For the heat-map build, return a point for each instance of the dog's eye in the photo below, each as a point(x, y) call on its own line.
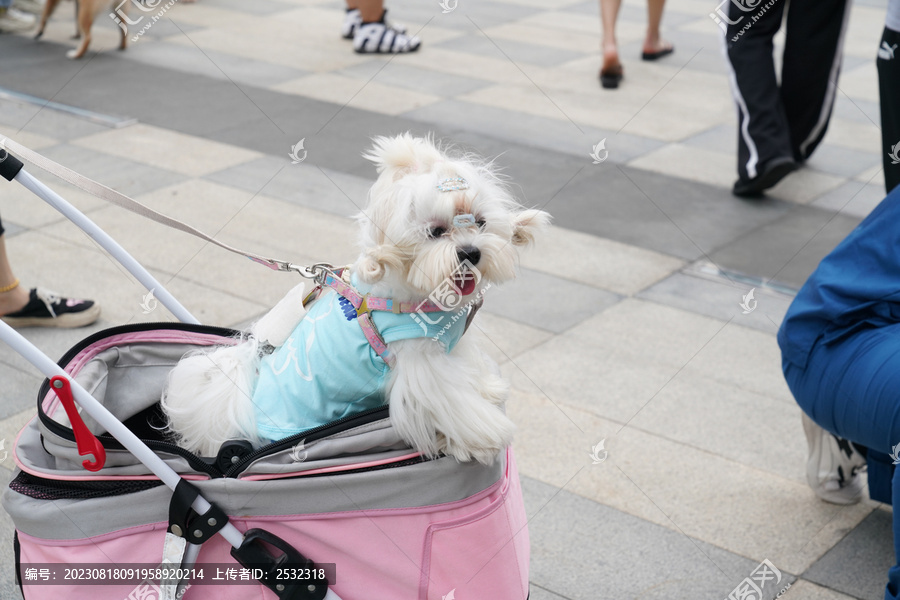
point(481, 223)
point(436, 232)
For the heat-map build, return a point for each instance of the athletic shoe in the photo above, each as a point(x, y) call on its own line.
point(770, 174)
point(14, 20)
point(46, 309)
point(834, 466)
point(382, 38)
point(353, 19)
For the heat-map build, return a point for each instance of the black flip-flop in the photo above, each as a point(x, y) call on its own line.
point(657, 54)
point(610, 78)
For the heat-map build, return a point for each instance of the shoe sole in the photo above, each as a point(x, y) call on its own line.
point(65, 321)
point(769, 179)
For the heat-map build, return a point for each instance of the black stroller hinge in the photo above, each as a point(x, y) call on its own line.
point(184, 520)
point(277, 570)
point(9, 165)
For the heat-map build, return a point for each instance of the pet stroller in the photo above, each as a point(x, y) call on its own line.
point(344, 511)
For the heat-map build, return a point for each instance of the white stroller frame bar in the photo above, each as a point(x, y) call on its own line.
point(10, 168)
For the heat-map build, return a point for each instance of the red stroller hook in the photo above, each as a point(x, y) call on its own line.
point(86, 441)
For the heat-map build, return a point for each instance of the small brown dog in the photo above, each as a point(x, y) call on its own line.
point(85, 13)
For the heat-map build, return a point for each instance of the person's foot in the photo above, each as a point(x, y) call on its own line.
point(611, 72)
point(656, 50)
point(46, 309)
point(13, 20)
point(770, 174)
point(834, 465)
point(382, 38)
point(353, 19)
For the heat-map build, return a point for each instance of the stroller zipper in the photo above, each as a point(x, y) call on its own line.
point(322, 431)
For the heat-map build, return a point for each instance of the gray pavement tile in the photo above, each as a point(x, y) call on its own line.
point(11, 229)
point(841, 162)
point(118, 172)
point(547, 302)
point(217, 65)
point(721, 138)
point(539, 593)
point(480, 43)
point(483, 13)
point(20, 387)
point(302, 184)
point(789, 249)
point(47, 121)
point(721, 299)
point(584, 551)
point(676, 217)
point(163, 28)
point(855, 109)
point(257, 7)
point(530, 130)
point(858, 565)
point(414, 78)
point(696, 51)
point(852, 198)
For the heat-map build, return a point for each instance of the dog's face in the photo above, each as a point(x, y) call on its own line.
point(432, 220)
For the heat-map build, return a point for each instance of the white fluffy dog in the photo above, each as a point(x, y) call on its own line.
point(436, 233)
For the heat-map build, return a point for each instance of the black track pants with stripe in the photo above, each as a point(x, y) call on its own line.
point(790, 119)
point(889, 87)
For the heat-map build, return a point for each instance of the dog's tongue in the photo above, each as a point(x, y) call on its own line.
point(465, 282)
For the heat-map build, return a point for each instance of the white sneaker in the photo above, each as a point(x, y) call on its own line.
point(34, 7)
point(353, 19)
point(381, 38)
point(834, 466)
point(14, 20)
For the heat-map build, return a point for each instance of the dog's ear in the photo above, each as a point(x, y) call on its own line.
point(527, 224)
point(403, 154)
point(373, 265)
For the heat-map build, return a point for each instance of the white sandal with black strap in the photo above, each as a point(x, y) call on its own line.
point(382, 38)
point(353, 19)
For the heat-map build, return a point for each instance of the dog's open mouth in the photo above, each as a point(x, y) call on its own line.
point(465, 281)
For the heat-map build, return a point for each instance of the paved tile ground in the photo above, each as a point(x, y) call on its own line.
point(625, 324)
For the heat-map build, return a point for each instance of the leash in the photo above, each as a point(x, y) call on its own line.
point(121, 200)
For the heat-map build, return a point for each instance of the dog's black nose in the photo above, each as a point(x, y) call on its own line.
point(469, 253)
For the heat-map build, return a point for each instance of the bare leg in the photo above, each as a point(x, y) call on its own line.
point(609, 13)
point(370, 10)
point(15, 299)
point(653, 42)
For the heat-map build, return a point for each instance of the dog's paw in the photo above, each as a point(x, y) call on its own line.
point(73, 54)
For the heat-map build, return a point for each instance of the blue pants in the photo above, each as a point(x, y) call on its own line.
point(851, 387)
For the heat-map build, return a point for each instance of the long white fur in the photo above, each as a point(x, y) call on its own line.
point(439, 402)
point(208, 396)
